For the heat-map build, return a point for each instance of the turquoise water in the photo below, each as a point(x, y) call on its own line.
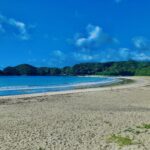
point(18, 85)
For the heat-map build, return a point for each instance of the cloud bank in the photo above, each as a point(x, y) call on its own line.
point(20, 29)
point(141, 43)
point(98, 45)
point(95, 38)
point(95, 45)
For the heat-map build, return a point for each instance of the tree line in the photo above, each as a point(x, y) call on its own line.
point(122, 68)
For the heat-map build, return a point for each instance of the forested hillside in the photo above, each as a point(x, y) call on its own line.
point(124, 68)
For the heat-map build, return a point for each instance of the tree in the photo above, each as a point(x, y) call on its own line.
point(54, 71)
point(123, 68)
point(143, 71)
point(26, 69)
point(67, 71)
point(10, 71)
point(43, 71)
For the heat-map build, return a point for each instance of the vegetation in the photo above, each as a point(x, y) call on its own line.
point(120, 140)
point(1, 72)
point(26, 69)
point(144, 126)
point(10, 71)
point(41, 148)
point(122, 137)
point(133, 130)
point(123, 68)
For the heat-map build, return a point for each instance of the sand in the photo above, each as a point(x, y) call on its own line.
point(82, 119)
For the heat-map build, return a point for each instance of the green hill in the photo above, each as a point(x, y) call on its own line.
point(123, 68)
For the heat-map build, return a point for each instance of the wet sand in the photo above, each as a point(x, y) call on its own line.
point(83, 119)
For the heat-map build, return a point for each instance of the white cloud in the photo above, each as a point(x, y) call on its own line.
point(141, 43)
point(86, 57)
point(81, 41)
point(94, 32)
point(58, 56)
point(97, 45)
point(58, 53)
point(124, 53)
point(142, 48)
point(21, 27)
point(96, 37)
point(15, 24)
point(141, 57)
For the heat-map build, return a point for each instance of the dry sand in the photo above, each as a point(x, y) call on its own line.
point(77, 120)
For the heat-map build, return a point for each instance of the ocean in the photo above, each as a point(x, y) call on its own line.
point(18, 85)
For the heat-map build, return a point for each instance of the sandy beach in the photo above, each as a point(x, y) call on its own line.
point(106, 118)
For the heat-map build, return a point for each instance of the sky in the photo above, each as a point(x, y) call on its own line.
point(57, 33)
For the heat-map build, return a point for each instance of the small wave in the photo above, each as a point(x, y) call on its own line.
point(26, 87)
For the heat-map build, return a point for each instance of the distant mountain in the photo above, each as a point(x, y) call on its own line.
point(123, 68)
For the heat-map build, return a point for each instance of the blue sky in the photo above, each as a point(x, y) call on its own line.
point(65, 32)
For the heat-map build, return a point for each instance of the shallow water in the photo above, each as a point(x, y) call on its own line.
point(18, 85)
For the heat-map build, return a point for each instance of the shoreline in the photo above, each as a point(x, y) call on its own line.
point(133, 82)
point(61, 88)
